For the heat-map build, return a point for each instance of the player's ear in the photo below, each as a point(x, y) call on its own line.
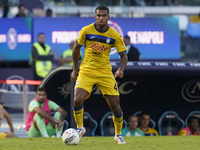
point(108, 16)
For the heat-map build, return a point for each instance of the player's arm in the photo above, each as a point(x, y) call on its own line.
point(80, 40)
point(123, 62)
point(55, 107)
point(65, 60)
point(9, 120)
point(34, 107)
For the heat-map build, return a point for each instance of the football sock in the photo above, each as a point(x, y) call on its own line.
point(58, 132)
point(118, 122)
point(78, 116)
point(41, 125)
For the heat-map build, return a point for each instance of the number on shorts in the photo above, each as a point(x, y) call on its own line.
point(115, 87)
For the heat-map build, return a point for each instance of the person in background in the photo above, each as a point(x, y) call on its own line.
point(49, 13)
point(192, 128)
point(5, 114)
point(41, 58)
point(66, 58)
point(22, 11)
point(39, 122)
point(132, 52)
point(132, 130)
point(144, 119)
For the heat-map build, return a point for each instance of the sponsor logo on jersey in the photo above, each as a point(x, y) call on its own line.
point(97, 47)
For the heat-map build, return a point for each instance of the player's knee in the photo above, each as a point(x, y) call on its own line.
point(116, 110)
point(78, 101)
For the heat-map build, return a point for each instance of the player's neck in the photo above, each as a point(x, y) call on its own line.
point(144, 128)
point(103, 29)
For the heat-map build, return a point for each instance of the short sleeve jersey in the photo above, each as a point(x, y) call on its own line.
point(52, 105)
point(97, 48)
point(149, 132)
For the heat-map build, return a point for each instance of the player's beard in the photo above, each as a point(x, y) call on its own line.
point(101, 25)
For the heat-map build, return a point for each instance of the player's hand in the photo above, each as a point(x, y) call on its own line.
point(74, 75)
point(60, 125)
point(119, 74)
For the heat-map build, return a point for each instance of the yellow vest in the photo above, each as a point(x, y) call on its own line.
point(68, 53)
point(42, 67)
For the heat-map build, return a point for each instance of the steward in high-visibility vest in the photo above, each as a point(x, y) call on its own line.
point(66, 58)
point(41, 58)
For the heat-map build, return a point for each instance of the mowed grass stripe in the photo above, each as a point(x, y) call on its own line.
point(98, 143)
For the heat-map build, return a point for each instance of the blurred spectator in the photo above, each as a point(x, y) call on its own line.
point(175, 3)
point(39, 12)
point(5, 114)
point(49, 13)
point(70, 3)
point(144, 122)
point(66, 58)
point(132, 52)
point(22, 11)
point(4, 7)
point(137, 3)
point(41, 58)
point(192, 128)
point(132, 130)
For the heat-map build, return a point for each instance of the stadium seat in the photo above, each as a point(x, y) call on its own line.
point(107, 125)
point(193, 30)
point(195, 113)
point(89, 124)
point(170, 122)
point(152, 123)
point(66, 124)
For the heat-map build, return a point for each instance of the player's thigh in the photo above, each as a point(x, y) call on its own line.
point(32, 132)
point(108, 85)
point(83, 87)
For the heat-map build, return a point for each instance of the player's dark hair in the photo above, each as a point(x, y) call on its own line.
point(102, 7)
point(41, 89)
point(144, 113)
point(21, 5)
point(190, 119)
point(127, 37)
point(40, 33)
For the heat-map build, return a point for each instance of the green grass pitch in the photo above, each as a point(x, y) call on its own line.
point(108, 143)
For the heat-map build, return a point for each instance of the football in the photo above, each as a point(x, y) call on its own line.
point(71, 137)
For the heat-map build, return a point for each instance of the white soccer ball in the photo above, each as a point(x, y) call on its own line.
point(71, 137)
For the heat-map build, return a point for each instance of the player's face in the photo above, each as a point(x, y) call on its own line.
point(41, 38)
point(194, 124)
point(144, 121)
point(102, 17)
point(22, 10)
point(133, 123)
point(41, 96)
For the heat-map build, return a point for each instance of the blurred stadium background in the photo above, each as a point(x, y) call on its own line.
point(162, 30)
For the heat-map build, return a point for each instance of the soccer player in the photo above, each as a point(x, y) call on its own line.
point(39, 122)
point(144, 119)
point(132, 130)
point(95, 68)
point(192, 128)
point(5, 114)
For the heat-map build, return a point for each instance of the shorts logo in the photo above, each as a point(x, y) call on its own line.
point(108, 40)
